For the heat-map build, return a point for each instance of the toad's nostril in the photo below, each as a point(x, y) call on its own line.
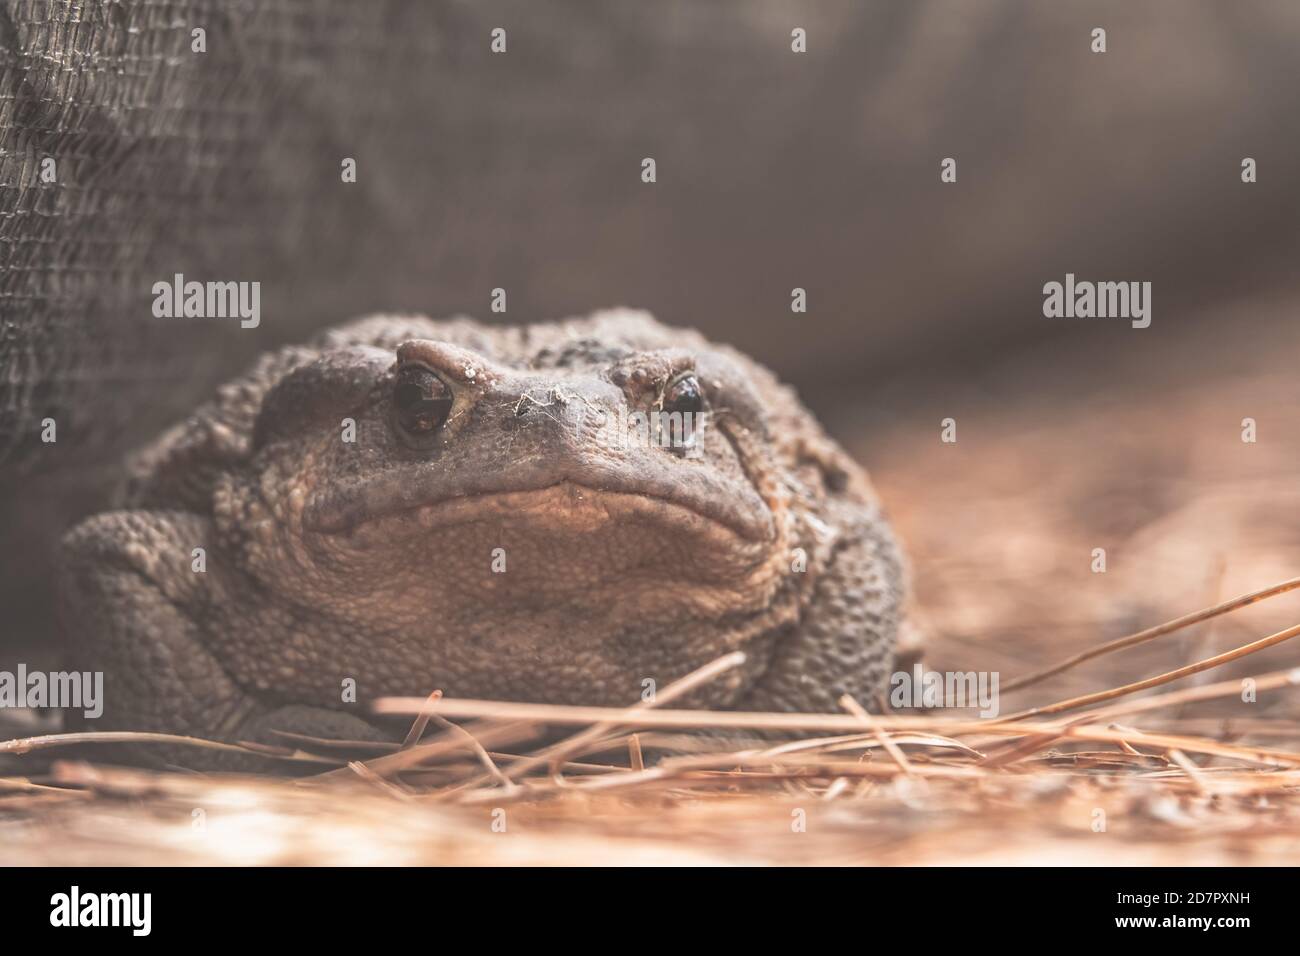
point(538, 399)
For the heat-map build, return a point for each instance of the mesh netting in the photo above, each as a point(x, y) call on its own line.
point(164, 159)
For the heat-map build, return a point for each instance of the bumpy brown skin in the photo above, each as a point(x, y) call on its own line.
point(373, 560)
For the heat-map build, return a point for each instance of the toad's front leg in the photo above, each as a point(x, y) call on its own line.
point(135, 609)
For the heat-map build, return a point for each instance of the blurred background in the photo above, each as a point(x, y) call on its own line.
point(819, 170)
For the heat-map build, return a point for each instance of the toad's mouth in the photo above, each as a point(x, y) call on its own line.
point(548, 502)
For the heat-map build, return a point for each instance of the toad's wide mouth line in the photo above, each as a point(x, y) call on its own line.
point(560, 502)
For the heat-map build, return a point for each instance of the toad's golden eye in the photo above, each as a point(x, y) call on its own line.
point(421, 400)
point(684, 394)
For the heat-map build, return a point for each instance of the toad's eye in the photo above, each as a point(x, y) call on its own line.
point(684, 394)
point(421, 400)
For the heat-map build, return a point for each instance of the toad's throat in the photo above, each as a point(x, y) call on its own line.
point(562, 506)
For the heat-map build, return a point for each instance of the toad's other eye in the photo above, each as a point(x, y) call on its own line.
point(421, 400)
point(684, 394)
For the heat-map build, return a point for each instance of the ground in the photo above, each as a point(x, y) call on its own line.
point(1002, 528)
